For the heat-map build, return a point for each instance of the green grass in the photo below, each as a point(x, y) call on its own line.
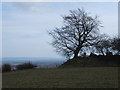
point(82, 77)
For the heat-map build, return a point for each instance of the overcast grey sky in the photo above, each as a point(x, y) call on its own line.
point(0, 29)
point(25, 25)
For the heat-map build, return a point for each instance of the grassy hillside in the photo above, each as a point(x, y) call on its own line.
point(82, 77)
point(93, 61)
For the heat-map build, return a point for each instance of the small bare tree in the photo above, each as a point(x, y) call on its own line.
point(79, 30)
point(104, 45)
point(116, 44)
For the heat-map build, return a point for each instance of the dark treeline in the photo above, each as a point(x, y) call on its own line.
point(8, 67)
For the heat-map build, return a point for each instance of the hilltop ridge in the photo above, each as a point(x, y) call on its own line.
point(93, 61)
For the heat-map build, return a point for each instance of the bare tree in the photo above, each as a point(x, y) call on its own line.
point(79, 30)
point(103, 47)
point(116, 44)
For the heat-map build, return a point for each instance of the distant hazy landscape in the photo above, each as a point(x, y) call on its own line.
point(40, 62)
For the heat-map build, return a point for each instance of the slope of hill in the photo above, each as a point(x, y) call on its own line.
point(93, 61)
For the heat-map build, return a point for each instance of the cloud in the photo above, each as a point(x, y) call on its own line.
point(30, 6)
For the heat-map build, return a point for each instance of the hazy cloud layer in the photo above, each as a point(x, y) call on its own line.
point(25, 25)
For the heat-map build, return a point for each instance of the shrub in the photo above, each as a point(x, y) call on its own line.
point(93, 55)
point(109, 54)
point(6, 67)
point(25, 66)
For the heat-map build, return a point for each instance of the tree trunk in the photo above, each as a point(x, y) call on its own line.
point(102, 52)
point(76, 53)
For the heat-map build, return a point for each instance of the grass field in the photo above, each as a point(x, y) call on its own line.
point(82, 77)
